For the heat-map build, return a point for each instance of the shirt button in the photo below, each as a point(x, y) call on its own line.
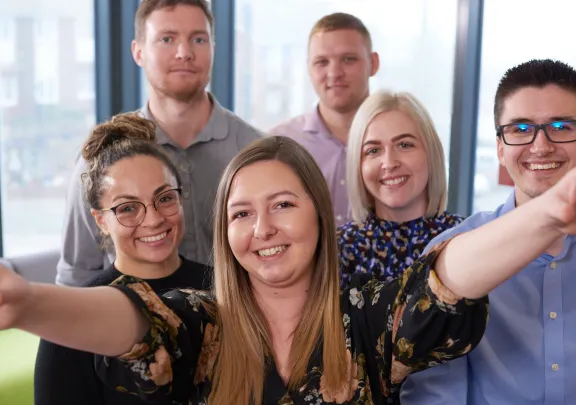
point(342, 182)
point(339, 218)
point(553, 265)
point(553, 315)
point(555, 367)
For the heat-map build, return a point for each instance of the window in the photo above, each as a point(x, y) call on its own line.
point(415, 41)
point(508, 41)
point(8, 91)
point(7, 41)
point(44, 116)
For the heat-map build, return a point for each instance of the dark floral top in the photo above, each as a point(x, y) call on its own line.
point(386, 248)
point(391, 328)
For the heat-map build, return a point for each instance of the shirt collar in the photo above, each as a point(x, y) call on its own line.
point(510, 203)
point(313, 123)
point(216, 128)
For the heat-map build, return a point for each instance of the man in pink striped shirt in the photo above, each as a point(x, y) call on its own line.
point(340, 64)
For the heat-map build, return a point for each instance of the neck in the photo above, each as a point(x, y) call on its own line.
point(282, 307)
point(182, 121)
point(147, 270)
point(404, 214)
point(337, 123)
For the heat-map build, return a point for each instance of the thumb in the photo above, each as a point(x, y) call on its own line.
point(571, 189)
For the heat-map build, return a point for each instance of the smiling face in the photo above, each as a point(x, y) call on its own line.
point(536, 167)
point(176, 51)
point(340, 66)
point(272, 225)
point(143, 179)
point(394, 167)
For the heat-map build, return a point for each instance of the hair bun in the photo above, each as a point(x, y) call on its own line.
point(128, 126)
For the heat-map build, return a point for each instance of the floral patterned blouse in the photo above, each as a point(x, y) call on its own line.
point(391, 328)
point(386, 248)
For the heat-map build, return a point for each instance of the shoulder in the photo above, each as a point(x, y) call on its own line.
point(445, 220)
point(349, 229)
point(291, 128)
point(193, 306)
point(191, 264)
point(472, 222)
point(240, 129)
point(449, 217)
point(197, 275)
point(104, 278)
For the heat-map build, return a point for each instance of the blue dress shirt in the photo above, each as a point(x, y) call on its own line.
point(528, 354)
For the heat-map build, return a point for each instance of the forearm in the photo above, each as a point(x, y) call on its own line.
point(475, 262)
point(99, 320)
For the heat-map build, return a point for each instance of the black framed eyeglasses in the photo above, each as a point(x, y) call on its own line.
point(132, 213)
point(563, 131)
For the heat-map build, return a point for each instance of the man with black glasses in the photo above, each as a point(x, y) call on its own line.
point(528, 354)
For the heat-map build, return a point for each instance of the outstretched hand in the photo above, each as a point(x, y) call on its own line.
point(15, 292)
point(559, 203)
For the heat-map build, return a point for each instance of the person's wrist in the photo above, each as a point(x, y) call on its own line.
point(26, 310)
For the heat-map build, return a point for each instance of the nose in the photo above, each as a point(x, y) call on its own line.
point(184, 51)
point(264, 228)
point(152, 218)
point(335, 70)
point(389, 160)
point(541, 145)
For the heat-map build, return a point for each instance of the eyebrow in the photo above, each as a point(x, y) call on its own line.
point(132, 197)
point(172, 32)
point(324, 56)
point(269, 198)
point(394, 139)
point(522, 120)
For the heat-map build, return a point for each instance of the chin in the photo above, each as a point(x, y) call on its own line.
point(272, 278)
point(396, 203)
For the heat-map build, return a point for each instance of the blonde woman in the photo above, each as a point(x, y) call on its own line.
point(396, 185)
point(277, 330)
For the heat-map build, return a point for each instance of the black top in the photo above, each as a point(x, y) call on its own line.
point(65, 376)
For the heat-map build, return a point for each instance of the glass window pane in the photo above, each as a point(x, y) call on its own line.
point(507, 41)
point(47, 107)
point(415, 39)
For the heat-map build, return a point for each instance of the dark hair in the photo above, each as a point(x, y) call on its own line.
point(342, 21)
point(124, 136)
point(534, 73)
point(147, 7)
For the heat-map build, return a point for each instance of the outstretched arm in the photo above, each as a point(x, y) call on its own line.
point(475, 262)
point(98, 320)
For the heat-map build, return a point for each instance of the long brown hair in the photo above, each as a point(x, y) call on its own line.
point(245, 349)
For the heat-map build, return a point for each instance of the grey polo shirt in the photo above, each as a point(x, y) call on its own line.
point(200, 166)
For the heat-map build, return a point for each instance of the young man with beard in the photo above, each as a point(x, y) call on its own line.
point(174, 44)
point(527, 355)
point(340, 64)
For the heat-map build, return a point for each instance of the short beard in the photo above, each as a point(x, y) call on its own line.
point(183, 96)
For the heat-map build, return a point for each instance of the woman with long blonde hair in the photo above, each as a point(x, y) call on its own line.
point(276, 331)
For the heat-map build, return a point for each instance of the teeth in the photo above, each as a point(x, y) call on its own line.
point(546, 166)
point(272, 251)
point(393, 182)
point(153, 238)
